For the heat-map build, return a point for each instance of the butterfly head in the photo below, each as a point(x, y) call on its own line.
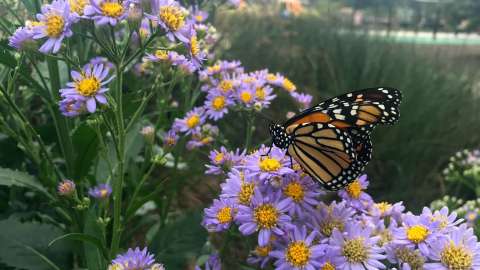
point(280, 137)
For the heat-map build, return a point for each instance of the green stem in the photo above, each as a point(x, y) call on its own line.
point(117, 188)
point(249, 130)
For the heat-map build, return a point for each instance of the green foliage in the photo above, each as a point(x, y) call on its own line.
point(20, 179)
point(327, 61)
point(25, 246)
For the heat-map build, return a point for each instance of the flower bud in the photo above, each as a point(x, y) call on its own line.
point(148, 133)
point(66, 188)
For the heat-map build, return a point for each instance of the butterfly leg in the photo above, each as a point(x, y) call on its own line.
point(269, 150)
point(291, 161)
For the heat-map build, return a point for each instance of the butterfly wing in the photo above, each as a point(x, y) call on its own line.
point(326, 153)
point(360, 110)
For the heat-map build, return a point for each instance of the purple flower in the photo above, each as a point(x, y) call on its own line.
point(304, 194)
point(192, 121)
point(356, 248)
point(267, 166)
point(88, 86)
point(239, 188)
point(71, 107)
point(213, 263)
point(303, 99)
point(260, 255)
point(102, 191)
point(354, 195)
point(406, 258)
point(246, 96)
point(22, 39)
point(446, 221)
point(170, 138)
point(216, 105)
point(223, 160)
point(101, 60)
point(385, 209)
point(266, 215)
point(331, 217)
point(135, 259)
point(199, 16)
point(460, 250)
point(417, 231)
point(106, 11)
point(471, 217)
point(194, 50)
point(171, 17)
point(219, 216)
point(55, 24)
point(263, 95)
point(66, 188)
point(300, 252)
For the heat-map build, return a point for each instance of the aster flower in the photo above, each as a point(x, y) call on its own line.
point(101, 60)
point(136, 259)
point(54, 24)
point(102, 191)
point(356, 249)
point(71, 107)
point(274, 79)
point(88, 86)
point(239, 188)
point(192, 121)
point(204, 136)
point(300, 253)
point(288, 85)
point(213, 263)
point(106, 11)
point(471, 217)
point(303, 99)
point(246, 96)
point(22, 39)
point(264, 95)
point(266, 215)
point(78, 6)
point(417, 232)
point(406, 258)
point(66, 188)
point(354, 194)
point(446, 221)
point(171, 17)
point(216, 105)
point(198, 15)
point(331, 217)
point(222, 160)
point(220, 215)
point(268, 166)
point(261, 255)
point(170, 138)
point(304, 194)
point(460, 250)
point(196, 53)
point(385, 209)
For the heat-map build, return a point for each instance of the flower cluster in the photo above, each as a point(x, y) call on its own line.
point(469, 210)
point(268, 196)
point(228, 87)
point(464, 168)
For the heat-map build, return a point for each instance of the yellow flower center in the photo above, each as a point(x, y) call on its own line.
point(269, 164)
point(327, 226)
point(456, 257)
point(193, 121)
point(111, 9)
point(88, 86)
point(246, 96)
point(328, 266)
point(263, 251)
point(194, 48)
point(173, 17)
point(417, 233)
point(218, 103)
point(288, 85)
point(214, 68)
point(443, 221)
point(354, 189)
point(295, 191)
point(297, 254)
point(77, 6)
point(103, 193)
point(219, 158)
point(385, 237)
point(246, 192)
point(266, 216)
point(116, 266)
point(225, 85)
point(54, 25)
point(471, 216)
point(355, 251)
point(412, 257)
point(161, 54)
point(199, 18)
point(224, 215)
point(383, 207)
point(271, 77)
point(260, 93)
point(249, 80)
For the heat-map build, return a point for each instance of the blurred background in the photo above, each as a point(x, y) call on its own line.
point(429, 49)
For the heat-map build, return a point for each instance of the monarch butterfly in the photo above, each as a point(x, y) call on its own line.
point(331, 141)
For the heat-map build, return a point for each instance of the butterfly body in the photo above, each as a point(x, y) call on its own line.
point(331, 141)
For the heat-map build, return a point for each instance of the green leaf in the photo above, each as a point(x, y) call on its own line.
point(6, 56)
point(180, 241)
point(85, 142)
point(93, 254)
point(25, 246)
point(82, 237)
point(20, 179)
